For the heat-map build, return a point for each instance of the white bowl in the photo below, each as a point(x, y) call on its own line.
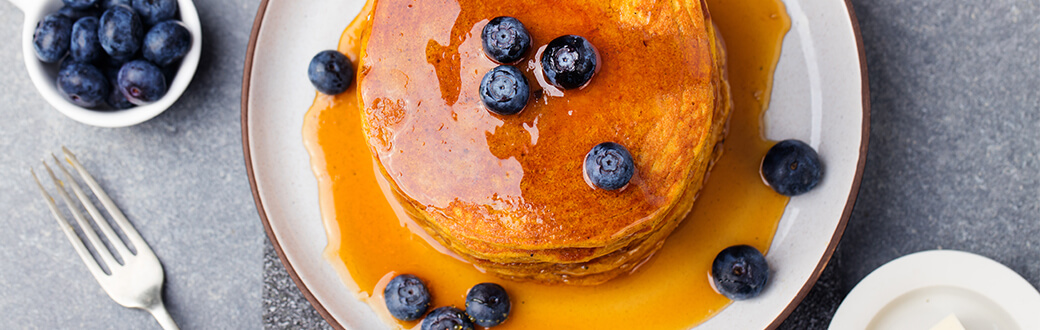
point(44, 75)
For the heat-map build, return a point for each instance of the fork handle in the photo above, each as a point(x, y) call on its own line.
point(161, 315)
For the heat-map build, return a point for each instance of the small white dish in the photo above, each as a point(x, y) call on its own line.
point(44, 75)
point(919, 290)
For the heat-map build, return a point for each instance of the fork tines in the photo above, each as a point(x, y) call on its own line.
point(137, 281)
point(121, 250)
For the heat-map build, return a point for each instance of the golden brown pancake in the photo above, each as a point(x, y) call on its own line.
point(507, 192)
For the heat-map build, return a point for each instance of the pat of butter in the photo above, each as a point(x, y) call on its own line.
point(949, 323)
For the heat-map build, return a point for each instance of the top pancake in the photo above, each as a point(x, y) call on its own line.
point(508, 183)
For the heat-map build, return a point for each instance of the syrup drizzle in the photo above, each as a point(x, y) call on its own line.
point(670, 291)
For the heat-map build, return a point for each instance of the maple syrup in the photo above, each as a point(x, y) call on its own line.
point(371, 239)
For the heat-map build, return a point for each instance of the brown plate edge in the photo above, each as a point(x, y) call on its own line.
point(838, 232)
point(246, 75)
point(854, 192)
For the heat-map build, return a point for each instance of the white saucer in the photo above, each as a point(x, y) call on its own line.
point(918, 290)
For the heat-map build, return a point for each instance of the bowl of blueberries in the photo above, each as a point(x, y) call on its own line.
point(111, 63)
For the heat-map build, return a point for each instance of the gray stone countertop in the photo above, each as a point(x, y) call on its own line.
point(180, 178)
point(954, 163)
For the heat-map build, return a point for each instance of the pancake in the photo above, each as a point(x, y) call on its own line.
point(507, 192)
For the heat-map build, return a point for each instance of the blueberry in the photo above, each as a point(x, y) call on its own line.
point(115, 98)
point(447, 318)
point(85, 45)
point(83, 85)
point(65, 62)
point(120, 32)
point(80, 4)
point(504, 90)
point(110, 3)
point(155, 11)
point(739, 272)
point(792, 167)
point(505, 39)
point(609, 166)
point(569, 61)
point(406, 297)
point(141, 82)
point(51, 38)
point(166, 43)
point(330, 72)
point(487, 304)
point(75, 14)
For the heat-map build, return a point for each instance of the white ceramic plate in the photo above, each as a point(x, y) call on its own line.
point(918, 290)
point(819, 96)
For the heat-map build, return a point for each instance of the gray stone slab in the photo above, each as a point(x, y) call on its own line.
point(284, 304)
point(180, 178)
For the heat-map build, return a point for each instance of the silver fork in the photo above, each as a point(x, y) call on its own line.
point(136, 282)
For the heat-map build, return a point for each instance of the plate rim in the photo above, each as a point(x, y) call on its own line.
point(332, 321)
point(850, 203)
point(247, 73)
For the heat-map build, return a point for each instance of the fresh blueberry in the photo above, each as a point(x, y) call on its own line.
point(505, 39)
point(739, 272)
point(447, 318)
point(120, 32)
point(80, 4)
point(68, 60)
point(166, 43)
point(609, 166)
point(569, 61)
point(83, 85)
point(330, 72)
point(110, 3)
point(487, 304)
point(51, 38)
point(504, 90)
point(141, 82)
point(75, 14)
point(85, 45)
point(792, 167)
point(406, 297)
point(155, 11)
point(115, 98)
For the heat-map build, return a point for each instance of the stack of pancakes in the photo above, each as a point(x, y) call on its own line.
point(507, 192)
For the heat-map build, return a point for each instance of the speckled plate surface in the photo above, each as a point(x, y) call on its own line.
point(820, 96)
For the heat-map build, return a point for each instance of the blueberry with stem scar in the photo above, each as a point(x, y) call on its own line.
point(406, 297)
point(792, 167)
point(609, 166)
point(487, 304)
point(330, 72)
point(505, 39)
point(504, 90)
point(569, 62)
point(83, 84)
point(739, 272)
